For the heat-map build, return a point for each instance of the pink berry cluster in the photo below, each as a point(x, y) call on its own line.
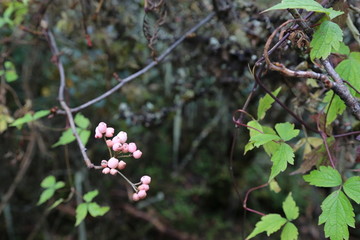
point(142, 188)
point(119, 148)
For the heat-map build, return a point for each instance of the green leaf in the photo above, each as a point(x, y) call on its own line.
point(349, 70)
point(327, 37)
point(343, 49)
point(324, 177)
point(270, 147)
point(337, 107)
point(46, 195)
point(289, 232)
point(265, 104)
point(47, 182)
point(337, 214)
point(286, 131)
point(252, 132)
point(261, 139)
point(10, 72)
point(352, 188)
point(81, 121)
point(280, 158)
point(29, 118)
point(308, 5)
point(269, 223)
point(95, 210)
point(88, 197)
point(84, 136)
point(59, 184)
point(81, 212)
point(290, 209)
point(67, 136)
point(56, 203)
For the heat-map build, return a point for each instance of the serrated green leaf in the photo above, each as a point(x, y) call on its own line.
point(29, 118)
point(280, 158)
point(84, 136)
point(46, 195)
point(324, 177)
point(289, 232)
point(327, 37)
point(286, 131)
point(349, 70)
point(270, 147)
point(265, 104)
point(352, 188)
point(81, 121)
point(81, 212)
point(337, 107)
point(252, 132)
point(274, 186)
point(248, 147)
point(343, 49)
point(59, 184)
point(56, 203)
point(47, 182)
point(66, 137)
point(269, 223)
point(290, 209)
point(88, 197)
point(308, 5)
point(261, 139)
point(40, 114)
point(95, 210)
point(337, 214)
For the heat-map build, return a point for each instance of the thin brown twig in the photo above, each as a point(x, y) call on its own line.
point(247, 196)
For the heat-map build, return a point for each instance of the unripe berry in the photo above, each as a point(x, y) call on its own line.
point(106, 170)
point(144, 187)
point(116, 139)
point(113, 171)
point(123, 136)
point(121, 165)
point(137, 154)
point(142, 194)
point(116, 147)
point(109, 132)
point(98, 134)
point(104, 163)
point(145, 179)
point(102, 127)
point(135, 197)
point(132, 147)
point(113, 162)
point(125, 148)
point(109, 143)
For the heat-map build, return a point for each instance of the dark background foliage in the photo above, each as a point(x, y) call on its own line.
point(179, 114)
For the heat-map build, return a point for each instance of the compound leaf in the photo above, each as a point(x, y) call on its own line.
point(337, 214)
point(269, 223)
point(352, 188)
point(324, 177)
point(327, 37)
point(289, 232)
point(261, 139)
point(290, 209)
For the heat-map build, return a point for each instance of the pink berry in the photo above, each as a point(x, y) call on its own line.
point(135, 197)
point(145, 179)
point(106, 170)
point(116, 139)
point(102, 127)
point(144, 187)
point(104, 163)
point(132, 147)
point(142, 194)
point(98, 134)
point(116, 147)
point(109, 143)
point(113, 162)
point(123, 136)
point(113, 171)
point(121, 165)
point(109, 132)
point(137, 154)
point(125, 148)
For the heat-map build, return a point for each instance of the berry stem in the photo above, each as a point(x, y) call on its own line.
point(126, 179)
